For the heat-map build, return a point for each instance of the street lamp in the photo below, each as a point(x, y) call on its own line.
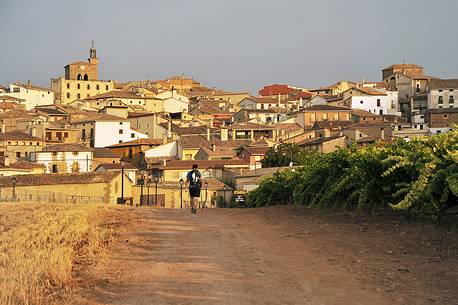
point(156, 181)
point(147, 186)
point(142, 182)
point(181, 193)
point(206, 193)
point(123, 164)
point(14, 188)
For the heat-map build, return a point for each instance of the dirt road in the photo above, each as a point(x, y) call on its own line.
point(224, 256)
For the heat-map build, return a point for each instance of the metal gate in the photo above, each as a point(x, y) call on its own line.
point(151, 200)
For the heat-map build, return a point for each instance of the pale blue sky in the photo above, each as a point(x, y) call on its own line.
point(234, 45)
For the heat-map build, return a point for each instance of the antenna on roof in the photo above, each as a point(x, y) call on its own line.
point(92, 43)
point(404, 60)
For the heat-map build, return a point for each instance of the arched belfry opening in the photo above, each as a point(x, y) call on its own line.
point(79, 77)
point(85, 77)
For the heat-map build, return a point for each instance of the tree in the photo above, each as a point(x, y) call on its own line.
point(283, 155)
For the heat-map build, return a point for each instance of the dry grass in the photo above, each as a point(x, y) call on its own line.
point(40, 245)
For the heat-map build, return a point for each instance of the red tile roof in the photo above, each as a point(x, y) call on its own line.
point(203, 164)
point(275, 89)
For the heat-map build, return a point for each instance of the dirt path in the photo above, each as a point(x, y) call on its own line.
point(223, 256)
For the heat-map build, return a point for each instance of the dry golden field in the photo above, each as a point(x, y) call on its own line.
point(42, 245)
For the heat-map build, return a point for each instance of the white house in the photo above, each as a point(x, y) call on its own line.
point(263, 103)
point(377, 101)
point(174, 105)
point(64, 158)
point(161, 151)
point(32, 95)
point(104, 130)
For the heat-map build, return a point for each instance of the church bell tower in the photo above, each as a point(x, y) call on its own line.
point(93, 54)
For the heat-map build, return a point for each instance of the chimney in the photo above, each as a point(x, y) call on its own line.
point(208, 133)
point(213, 147)
point(169, 128)
point(224, 134)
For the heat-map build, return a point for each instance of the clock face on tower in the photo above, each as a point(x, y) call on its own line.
point(82, 67)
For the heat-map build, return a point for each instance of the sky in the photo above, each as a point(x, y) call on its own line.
point(238, 45)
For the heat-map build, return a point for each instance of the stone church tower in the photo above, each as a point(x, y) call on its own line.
point(85, 71)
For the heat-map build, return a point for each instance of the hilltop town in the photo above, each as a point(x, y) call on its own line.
point(84, 139)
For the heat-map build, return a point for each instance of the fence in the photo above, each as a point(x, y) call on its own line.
point(50, 197)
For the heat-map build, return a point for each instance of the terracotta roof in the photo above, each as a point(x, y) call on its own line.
point(59, 179)
point(198, 141)
point(219, 151)
point(443, 110)
point(275, 89)
point(257, 151)
point(18, 136)
point(443, 84)
point(116, 94)
point(104, 153)
point(10, 98)
point(404, 66)
point(26, 165)
point(326, 108)
point(139, 114)
point(116, 166)
point(80, 63)
point(99, 117)
point(368, 91)
point(318, 140)
point(250, 126)
point(203, 164)
point(8, 105)
point(136, 142)
point(32, 87)
point(16, 113)
point(191, 130)
point(73, 147)
point(288, 126)
point(363, 113)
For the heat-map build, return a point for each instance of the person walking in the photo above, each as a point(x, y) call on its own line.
point(194, 180)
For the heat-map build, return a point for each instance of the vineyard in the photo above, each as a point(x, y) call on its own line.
point(416, 177)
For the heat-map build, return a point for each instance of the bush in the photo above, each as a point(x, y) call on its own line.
point(418, 176)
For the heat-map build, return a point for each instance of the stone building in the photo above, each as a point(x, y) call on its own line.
point(81, 80)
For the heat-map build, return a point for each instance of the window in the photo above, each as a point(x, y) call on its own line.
point(445, 116)
point(421, 127)
point(415, 126)
point(83, 134)
point(120, 123)
point(399, 127)
point(451, 99)
point(88, 87)
point(361, 102)
point(325, 116)
point(130, 153)
point(121, 131)
point(68, 85)
point(78, 96)
point(85, 77)
point(97, 87)
point(78, 86)
point(106, 87)
point(132, 135)
point(75, 153)
point(378, 102)
point(18, 154)
point(441, 99)
point(65, 134)
point(418, 87)
point(381, 112)
point(120, 141)
point(68, 95)
point(438, 131)
point(440, 90)
point(54, 153)
point(336, 116)
point(54, 168)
